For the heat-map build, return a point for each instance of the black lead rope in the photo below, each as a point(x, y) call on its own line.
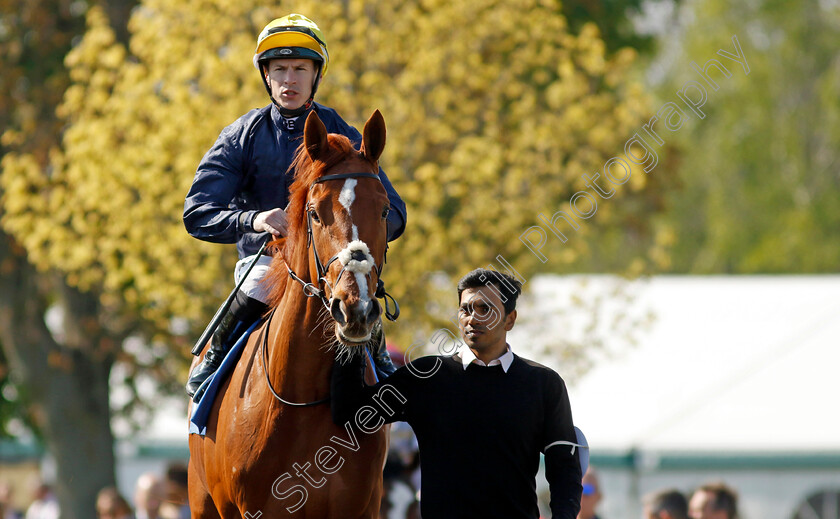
point(391, 316)
point(382, 294)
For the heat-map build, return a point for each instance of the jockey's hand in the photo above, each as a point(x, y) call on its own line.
point(273, 221)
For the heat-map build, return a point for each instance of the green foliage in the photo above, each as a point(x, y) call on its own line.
point(109, 214)
point(759, 185)
point(494, 111)
point(34, 37)
point(613, 19)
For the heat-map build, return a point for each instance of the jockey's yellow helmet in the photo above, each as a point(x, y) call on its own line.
point(292, 37)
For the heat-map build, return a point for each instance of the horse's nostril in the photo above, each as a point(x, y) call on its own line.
point(374, 312)
point(336, 311)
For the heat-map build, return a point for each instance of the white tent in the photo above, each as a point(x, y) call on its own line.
point(729, 363)
point(735, 380)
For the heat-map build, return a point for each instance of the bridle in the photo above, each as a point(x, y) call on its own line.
point(313, 290)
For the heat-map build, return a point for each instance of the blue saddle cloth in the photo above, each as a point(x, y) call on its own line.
point(201, 410)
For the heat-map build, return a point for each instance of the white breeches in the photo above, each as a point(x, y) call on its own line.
point(252, 286)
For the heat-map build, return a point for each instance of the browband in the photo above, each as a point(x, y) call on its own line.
point(339, 176)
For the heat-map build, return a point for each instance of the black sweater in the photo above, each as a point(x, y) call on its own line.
point(480, 433)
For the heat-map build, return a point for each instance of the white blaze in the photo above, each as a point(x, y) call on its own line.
point(360, 269)
point(346, 199)
point(361, 279)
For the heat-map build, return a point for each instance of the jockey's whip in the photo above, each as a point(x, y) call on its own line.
point(214, 323)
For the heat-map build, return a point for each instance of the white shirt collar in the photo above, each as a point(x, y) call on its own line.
point(467, 357)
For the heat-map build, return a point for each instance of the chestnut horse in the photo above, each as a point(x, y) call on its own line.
point(271, 448)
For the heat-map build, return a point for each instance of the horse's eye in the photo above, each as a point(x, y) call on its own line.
point(314, 215)
point(385, 212)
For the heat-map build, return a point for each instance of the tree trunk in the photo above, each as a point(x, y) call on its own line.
point(66, 381)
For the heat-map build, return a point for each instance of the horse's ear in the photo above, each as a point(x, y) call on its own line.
point(314, 136)
point(373, 137)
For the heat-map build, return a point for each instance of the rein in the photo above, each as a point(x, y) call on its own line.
point(268, 380)
point(313, 290)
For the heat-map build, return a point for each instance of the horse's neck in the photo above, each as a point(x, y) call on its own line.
point(299, 362)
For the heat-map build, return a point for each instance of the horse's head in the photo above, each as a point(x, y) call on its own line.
point(344, 212)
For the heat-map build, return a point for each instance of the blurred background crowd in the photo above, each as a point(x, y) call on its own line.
point(156, 495)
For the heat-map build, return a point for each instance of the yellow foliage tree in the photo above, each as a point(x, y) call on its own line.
point(494, 111)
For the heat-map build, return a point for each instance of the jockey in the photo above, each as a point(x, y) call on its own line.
point(242, 184)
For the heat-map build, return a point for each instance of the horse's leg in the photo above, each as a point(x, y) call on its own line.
point(201, 503)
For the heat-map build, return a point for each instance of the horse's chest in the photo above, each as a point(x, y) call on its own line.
point(311, 475)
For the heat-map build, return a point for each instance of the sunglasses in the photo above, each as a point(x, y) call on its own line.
point(589, 489)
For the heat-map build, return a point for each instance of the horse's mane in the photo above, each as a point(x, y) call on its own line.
point(306, 170)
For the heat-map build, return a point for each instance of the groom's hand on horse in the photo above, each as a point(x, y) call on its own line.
point(273, 221)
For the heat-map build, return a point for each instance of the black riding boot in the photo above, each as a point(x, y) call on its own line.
point(381, 358)
point(243, 312)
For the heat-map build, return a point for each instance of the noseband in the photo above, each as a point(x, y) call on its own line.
point(313, 290)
